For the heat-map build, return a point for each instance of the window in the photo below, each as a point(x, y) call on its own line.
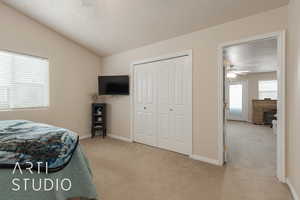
point(23, 81)
point(267, 89)
point(236, 97)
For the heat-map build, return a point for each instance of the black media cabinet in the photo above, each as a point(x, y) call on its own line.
point(98, 119)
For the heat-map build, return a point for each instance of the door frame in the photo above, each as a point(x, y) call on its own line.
point(189, 54)
point(281, 77)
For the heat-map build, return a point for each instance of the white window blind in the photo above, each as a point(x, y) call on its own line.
point(267, 89)
point(23, 81)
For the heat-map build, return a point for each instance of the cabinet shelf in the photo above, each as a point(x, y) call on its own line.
point(98, 125)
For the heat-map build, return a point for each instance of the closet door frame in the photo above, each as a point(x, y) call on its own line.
point(189, 56)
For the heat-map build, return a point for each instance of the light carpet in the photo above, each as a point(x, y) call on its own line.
point(131, 171)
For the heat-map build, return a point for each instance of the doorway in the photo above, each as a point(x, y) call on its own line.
point(241, 113)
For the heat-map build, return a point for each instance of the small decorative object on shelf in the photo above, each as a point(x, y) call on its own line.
point(99, 111)
point(99, 119)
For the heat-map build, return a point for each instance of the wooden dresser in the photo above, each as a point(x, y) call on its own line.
point(259, 107)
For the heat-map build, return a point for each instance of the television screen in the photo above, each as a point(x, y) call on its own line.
point(113, 85)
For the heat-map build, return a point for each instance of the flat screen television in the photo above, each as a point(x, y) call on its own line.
point(113, 85)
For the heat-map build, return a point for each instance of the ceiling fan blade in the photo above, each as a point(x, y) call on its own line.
point(88, 3)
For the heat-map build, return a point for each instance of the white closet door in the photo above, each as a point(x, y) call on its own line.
point(164, 79)
point(174, 99)
point(145, 105)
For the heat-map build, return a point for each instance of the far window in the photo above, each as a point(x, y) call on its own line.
point(23, 81)
point(267, 89)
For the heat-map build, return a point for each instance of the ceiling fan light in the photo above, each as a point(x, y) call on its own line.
point(231, 75)
point(88, 3)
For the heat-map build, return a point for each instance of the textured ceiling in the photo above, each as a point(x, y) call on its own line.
point(257, 56)
point(112, 26)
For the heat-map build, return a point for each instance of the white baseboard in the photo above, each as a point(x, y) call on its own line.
point(119, 137)
point(205, 159)
point(193, 156)
point(293, 191)
point(84, 137)
point(109, 135)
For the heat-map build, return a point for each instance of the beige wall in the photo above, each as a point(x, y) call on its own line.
point(293, 96)
point(204, 44)
point(252, 80)
point(73, 71)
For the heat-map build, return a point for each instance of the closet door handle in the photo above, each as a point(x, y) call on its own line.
point(171, 109)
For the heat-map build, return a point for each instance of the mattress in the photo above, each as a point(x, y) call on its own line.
point(17, 185)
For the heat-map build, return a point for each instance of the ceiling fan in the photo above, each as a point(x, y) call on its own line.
point(88, 3)
point(233, 71)
point(231, 67)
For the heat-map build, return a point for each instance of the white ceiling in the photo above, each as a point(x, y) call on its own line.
point(112, 26)
point(257, 56)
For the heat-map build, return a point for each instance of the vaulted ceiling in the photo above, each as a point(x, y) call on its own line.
point(112, 26)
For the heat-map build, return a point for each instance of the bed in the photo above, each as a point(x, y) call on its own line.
point(73, 180)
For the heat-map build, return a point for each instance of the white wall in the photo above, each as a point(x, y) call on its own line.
point(73, 71)
point(293, 95)
point(204, 44)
